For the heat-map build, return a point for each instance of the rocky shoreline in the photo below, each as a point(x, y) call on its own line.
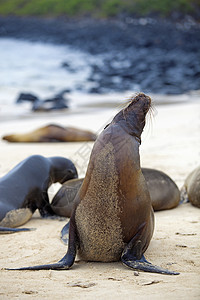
point(151, 55)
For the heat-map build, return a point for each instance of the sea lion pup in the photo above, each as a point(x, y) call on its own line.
point(52, 133)
point(113, 218)
point(191, 188)
point(24, 188)
point(163, 191)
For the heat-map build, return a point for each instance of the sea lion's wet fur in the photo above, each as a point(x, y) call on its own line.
point(24, 188)
point(52, 133)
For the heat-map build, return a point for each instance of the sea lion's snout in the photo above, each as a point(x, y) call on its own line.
point(70, 174)
point(140, 102)
point(73, 173)
point(144, 100)
point(9, 138)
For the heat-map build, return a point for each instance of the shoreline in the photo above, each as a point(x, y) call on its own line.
point(90, 103)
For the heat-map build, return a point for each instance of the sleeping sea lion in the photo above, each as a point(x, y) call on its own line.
point(113, 217)
point(63, 201)
point(164, 192)
point(191, 188)
point(52, 133)
point(24, 188)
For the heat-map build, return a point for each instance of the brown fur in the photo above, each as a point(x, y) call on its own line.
point(52, 133)
point(105, 231)
point(192, 186)
point(164, 192)
point(113, 203)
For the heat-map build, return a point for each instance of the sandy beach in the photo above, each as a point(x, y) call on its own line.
point(171, 143)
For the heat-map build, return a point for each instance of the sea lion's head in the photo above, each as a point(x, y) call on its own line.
point(140, 103)
point(10, 138)
point(132, 117)
point(62, 169)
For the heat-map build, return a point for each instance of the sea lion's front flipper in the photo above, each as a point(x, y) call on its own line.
point(134, 259)
point(4, 230)
point(67, 261)
point(64, 264)
point(15, 218)
point(64, 235)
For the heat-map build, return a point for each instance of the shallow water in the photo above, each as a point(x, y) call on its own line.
point(36, 67)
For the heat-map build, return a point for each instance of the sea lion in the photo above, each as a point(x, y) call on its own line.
point(164, 192)
point(24, 188)
point(63, 202)
point(113, 218)
point(56, 102)
point(52, 133)
point(191, 188)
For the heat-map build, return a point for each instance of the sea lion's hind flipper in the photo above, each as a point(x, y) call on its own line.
point(13, 230)
point(133, 258)
point(143, 265)
point(64, 235)
point(64, 264)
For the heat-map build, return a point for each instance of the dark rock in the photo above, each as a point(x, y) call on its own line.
point(160, 56)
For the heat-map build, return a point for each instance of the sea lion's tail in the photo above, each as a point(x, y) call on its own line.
point(5, 230)
point(143, 265)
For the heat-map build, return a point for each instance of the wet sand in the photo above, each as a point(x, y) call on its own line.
point(171, 143)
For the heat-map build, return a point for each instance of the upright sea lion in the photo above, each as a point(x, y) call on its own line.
point(52, 133)
point(164, 192)
point(113, 217)
point(24, 188)
point(191, 188)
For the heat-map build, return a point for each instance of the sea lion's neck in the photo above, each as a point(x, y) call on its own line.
point(131, 122)
point(54, 171)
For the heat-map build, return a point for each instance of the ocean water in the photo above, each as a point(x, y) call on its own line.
point(34, 67)
point(37, 68)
